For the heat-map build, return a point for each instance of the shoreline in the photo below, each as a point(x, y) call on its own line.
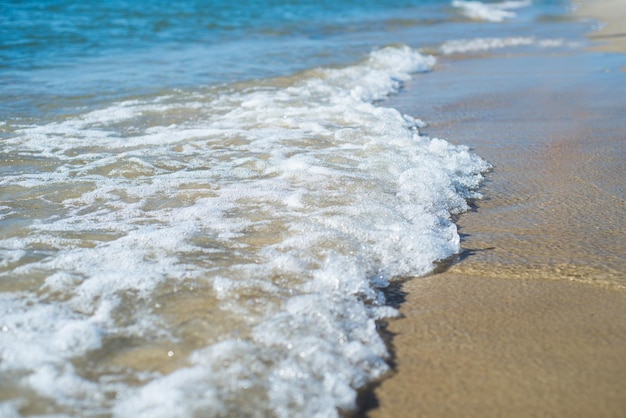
point(532, 321)
point(611, 15)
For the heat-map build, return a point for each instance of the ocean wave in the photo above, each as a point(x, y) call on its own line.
point(491, 12)
point(460, 46)
point(223, 250)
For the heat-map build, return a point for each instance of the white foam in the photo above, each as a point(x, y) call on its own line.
point(42, 339)
point(9, 409)
point(461, 46)
point(483, 44)
point(491, 12)
point(292, 204)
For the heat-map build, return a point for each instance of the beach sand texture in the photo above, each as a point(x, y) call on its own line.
point(532, 321)
point(611, 15)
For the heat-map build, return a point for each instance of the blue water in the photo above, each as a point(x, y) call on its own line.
point(201, 202)
point(51, 50)
point(56, 55)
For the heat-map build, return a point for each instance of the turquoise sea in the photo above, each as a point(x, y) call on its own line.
point(203, 202)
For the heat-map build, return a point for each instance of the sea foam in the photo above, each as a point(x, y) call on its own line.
point(463, 46)
point(491, 12)
point(223, 251)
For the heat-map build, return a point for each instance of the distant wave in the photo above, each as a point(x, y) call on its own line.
point(461, 46)
point(491, 12)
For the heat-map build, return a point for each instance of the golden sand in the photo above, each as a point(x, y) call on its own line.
point(532, 321)
point(611, 17)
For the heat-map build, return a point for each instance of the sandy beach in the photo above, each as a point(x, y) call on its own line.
point(201, 205)
point(611, 15)
point(531, 319)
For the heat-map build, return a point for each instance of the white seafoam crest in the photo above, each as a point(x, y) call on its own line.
point(277, 211)
point(490, 12)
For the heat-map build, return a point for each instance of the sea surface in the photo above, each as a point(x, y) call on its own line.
point(202, 203)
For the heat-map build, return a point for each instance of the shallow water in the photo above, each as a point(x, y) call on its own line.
point(200, 210)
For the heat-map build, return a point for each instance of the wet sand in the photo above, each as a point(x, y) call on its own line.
point(531, 319)
point(611, 16)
